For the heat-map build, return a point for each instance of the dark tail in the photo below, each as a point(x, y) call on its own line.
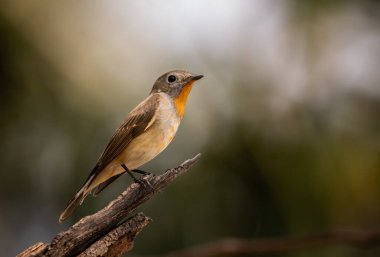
point(77, 200)
point(79, 197)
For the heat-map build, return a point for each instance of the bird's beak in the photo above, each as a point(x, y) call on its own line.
point(196, 77)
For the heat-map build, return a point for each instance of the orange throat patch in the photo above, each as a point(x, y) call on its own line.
point(180, 101)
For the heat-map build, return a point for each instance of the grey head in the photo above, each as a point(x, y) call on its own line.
point(173, 82)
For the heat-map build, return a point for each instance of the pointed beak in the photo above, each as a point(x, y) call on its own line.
point(196, 77)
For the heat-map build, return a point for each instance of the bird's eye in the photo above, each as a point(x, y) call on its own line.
point(172, 78)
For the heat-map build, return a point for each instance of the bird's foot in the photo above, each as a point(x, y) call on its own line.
point(144, 183)
point(140, 181)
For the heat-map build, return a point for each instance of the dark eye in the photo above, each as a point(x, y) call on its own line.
point(172, 78)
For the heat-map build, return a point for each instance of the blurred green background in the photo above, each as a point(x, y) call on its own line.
point(287, 116)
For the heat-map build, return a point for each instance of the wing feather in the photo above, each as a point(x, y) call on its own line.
point(138, 121)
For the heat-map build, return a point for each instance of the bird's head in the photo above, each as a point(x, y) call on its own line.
point(174, 82)
point(177, 84)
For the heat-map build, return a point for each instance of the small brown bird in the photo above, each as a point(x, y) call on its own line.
point(147, 130)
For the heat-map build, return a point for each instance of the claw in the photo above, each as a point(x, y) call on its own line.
point(140, 181)
point(144, 183)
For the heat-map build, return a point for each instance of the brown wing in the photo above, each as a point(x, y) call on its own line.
point(133, 126)
point(136, 123)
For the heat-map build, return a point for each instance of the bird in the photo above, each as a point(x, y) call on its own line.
point(146, 131)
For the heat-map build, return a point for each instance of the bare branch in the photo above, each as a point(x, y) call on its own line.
point(109, 233)
point(238, 247)
point(108, 224)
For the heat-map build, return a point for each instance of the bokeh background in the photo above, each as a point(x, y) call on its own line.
point(287, 117)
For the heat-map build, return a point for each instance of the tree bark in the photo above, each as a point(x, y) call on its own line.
point(109, 232)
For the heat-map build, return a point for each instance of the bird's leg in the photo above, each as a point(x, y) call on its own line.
point(140, 181)
point(145, 173)
point(129, 172)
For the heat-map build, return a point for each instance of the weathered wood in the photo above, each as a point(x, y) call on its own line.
point(118, 240)
point(105, 223)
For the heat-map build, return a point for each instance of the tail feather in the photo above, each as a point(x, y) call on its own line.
point(91, 184)
point(77, 200)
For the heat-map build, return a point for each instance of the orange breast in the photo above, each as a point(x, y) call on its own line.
point(180, 101)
